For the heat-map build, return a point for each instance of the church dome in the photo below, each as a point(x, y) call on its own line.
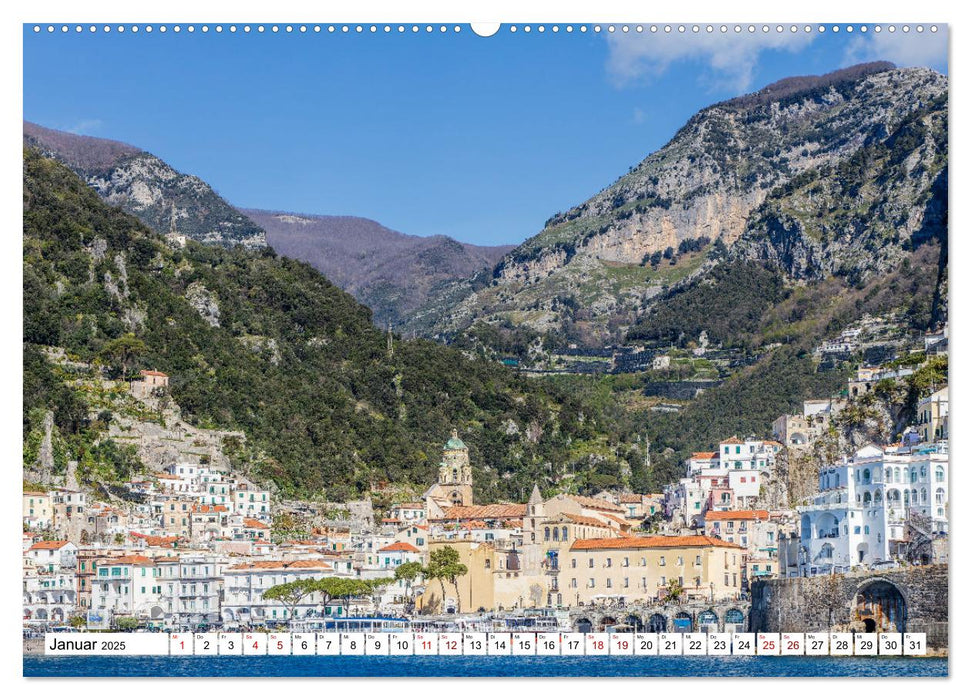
point(455, 443)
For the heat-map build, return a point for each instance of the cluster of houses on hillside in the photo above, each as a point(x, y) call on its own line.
point(191, 546)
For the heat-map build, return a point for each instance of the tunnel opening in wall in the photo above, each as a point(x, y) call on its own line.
point(880, 607)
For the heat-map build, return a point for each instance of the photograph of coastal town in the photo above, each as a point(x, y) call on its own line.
point(535, 330)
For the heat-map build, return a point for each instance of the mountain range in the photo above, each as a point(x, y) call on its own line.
point(147, 187)
point(768, 223)
point(838, 174)
point(392, 273)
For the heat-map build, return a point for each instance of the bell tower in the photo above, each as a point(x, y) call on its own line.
point(455, 472)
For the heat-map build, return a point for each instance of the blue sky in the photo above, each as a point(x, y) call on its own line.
point(478, 138)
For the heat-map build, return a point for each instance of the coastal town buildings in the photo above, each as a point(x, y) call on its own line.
point(190, 589)
point(199, 546)
point(754, 530)
point(244, 585)
point(125, 587)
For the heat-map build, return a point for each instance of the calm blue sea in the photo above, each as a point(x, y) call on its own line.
point(494, 666)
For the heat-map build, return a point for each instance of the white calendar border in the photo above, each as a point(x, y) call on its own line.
point(565, 10)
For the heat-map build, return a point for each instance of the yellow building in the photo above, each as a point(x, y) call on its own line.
point(647, 568)
point(932, 413)
point(38, 510)
point(495, 581)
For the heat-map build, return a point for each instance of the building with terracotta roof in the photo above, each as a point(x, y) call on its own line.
point(395, 597)
point(494, 511)
point(595, 504)
point(53, 555)
point(149, 383)
point(400, 547)
point(125, 586)
point(702, 462)
point(163, 541)
point(408, 512)
point(415, 535)
point(207, 522)
point(550, 526)
point(650, 568)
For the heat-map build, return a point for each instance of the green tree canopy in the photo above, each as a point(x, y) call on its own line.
point(444, 565)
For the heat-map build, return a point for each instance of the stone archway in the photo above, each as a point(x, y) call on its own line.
point(880, 606)
point(708, 621)
point(635, 623)
point(735, 620)
point(683, 622)
point(657, 623)
point(583, 625)
point(605, 622)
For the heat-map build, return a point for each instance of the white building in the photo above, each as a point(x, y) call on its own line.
point(53, 556)
point(747, 464)
point(397, 595)
point(748, 455)
point(191, 587)
point(251, 503)
point(216, 492)
point(704, 463)
point(684, 502)
point(245, 584)
point(863, 505)
point(50, 583)
point(126, 587)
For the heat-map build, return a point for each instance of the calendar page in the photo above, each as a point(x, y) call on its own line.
point(519, 349)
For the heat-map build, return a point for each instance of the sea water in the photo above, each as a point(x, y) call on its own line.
point(494, 666)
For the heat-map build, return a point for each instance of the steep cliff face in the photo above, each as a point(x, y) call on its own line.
point(715, 183)
point(148, 188)
point(861, 216)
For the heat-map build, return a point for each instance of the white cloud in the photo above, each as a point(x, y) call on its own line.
point(904, 49)
point(85, 126)
point(731, 57)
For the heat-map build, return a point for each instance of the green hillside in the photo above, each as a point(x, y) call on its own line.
point(265, 344)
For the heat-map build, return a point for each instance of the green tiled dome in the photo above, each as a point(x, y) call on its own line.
point(454, 443)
